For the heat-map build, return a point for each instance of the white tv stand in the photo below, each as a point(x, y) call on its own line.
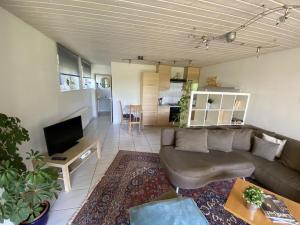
point(73, 160)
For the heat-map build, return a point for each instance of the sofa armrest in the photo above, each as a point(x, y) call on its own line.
point(167, 137)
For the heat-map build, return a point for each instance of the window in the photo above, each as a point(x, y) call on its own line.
point(86, 68)
point(87, 80)
point(68, 69)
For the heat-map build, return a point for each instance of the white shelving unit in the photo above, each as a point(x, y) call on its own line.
point(228, 108)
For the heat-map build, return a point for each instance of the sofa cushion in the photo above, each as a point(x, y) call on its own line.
point(194, 140)
point(280, 142)
point(220, 140)
point(194, 169)
point(264, 149)
point(257, 161)
point(242, 139)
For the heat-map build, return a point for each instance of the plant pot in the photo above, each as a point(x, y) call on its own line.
point(42, 218)
point(252, 207)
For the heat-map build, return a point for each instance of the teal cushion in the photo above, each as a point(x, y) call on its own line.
point(177, 211)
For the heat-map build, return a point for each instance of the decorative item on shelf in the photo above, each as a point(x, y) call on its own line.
point(213, 82)
point(254, 197)
point(24, 193)
point(210, 101)
point(184, 104)
point(236, 121)
point(237, 104)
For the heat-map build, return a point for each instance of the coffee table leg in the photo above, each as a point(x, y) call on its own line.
point(66, 178)
point(177, 190)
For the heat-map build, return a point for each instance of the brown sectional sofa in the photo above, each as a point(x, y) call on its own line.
point(190, 170)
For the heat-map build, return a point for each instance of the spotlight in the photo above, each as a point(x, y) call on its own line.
point(230, 36)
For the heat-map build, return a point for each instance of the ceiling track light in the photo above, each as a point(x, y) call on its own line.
point(230, 37)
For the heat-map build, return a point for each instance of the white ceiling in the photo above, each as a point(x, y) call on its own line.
point(106, 30)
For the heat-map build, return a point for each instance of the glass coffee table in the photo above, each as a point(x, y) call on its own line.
point(235, 204)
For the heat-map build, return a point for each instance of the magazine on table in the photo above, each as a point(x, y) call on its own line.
point(277, 211)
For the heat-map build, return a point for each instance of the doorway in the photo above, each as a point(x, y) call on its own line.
point(104, 95)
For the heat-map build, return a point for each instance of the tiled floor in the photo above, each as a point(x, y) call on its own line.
point(113, 138)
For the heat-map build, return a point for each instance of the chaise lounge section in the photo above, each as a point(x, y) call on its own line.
point(191, 169)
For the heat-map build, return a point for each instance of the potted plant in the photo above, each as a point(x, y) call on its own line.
point(184, 104)
point(254, 197)
point(24, 193)
point(209, 102)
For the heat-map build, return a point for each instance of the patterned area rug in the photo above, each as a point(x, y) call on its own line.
point(135, 178)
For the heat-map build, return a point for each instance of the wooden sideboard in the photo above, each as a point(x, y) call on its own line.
point(74, 158)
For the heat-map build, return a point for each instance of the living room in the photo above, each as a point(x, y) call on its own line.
point(227, 68)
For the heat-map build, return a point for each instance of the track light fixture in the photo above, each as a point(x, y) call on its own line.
point(230, 37)
point(141, 59)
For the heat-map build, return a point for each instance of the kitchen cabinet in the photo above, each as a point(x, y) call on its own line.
point(149, 97)
point(164, 72)
point(163, 115)
point(192, 73)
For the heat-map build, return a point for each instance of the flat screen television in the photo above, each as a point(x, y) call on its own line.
point(62, 136)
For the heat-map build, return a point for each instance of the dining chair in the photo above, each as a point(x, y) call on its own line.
point(124, 116)
point(136, 116)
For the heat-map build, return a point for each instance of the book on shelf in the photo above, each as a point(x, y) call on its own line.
point(276, 210)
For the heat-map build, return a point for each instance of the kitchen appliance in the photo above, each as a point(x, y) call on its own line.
point(174, 113)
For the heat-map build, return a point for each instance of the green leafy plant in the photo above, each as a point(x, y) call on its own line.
point(184, 104)
point(12, 135)
point(254, 195)
point(22, 191)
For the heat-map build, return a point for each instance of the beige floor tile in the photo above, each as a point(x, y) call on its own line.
point(60, 217)
point(69, 200)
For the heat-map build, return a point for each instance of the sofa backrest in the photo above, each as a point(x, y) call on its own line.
point(290, 156)
point(167, 137)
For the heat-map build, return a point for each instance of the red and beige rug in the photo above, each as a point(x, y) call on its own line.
point(135, 178)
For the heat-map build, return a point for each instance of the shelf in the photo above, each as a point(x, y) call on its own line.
point(226, 109)
point(77, 163)
point(205, 109)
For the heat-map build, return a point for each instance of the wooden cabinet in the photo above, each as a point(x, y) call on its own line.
point(192, 73)
point(163, 115)
point(164, 72)
point(149, 97)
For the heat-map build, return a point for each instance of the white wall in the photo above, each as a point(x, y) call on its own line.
point(274, 83)
point(126, 85)
point(101, 69)
point(29, 82)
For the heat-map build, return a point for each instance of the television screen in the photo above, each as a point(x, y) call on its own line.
point(62, 136)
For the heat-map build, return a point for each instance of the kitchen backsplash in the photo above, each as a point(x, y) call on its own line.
point(173, 94)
